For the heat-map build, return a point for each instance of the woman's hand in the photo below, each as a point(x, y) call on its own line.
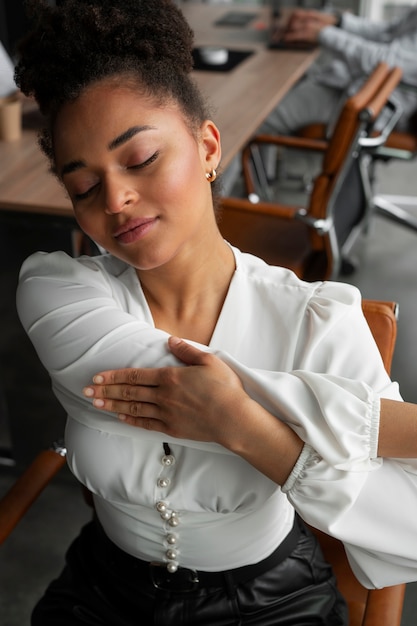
point(198, 402)
point(205, 402)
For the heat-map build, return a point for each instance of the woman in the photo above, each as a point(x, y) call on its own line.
point(189, 528)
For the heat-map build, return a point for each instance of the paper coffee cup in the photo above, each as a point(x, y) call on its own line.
point(10, 118)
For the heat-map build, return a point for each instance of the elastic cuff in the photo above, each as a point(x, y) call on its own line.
point(306, 452)
point(374, 429)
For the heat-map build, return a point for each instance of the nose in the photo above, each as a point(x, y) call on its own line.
point(118, 195)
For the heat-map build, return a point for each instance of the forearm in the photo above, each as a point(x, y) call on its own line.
point(265, 442)
point(397, 429)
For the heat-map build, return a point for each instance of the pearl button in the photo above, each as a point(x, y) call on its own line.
point(168, 460)
point(171, 554)
point(171, 540)
point(163, 482)
point(172, 567)
point(161, 506)
point(165, 515)
point(173, 521)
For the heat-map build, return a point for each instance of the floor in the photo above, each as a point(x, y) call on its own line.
point(34, 553)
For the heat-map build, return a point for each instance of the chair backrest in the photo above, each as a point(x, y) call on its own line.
point(312, 244)
point(368, 607)
point(382, 320)
point(356, 119)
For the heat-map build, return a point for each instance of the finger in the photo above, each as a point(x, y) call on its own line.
point(144, 422)
point(128, 376)
point(133, 409)
point(186, 353)
point(125, 392)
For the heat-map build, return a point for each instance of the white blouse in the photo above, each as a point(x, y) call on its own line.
point(303, 350)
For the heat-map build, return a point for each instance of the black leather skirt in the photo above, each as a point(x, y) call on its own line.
point(103, 586)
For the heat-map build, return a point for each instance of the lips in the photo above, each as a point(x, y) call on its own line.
point(134, 230)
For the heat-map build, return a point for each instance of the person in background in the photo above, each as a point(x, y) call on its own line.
point(352, 47)
point(212, 400)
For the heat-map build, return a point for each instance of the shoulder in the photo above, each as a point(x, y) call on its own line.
point(282, 285)
point(60, 266)
point(51, 279)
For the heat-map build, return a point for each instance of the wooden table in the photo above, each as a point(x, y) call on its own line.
point(243, 97)
point(240, 100)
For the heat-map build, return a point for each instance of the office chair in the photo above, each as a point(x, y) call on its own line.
point(402, 146)
point(375, 607)
point(314, 240)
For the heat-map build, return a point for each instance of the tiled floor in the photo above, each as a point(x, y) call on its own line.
point(33, 554)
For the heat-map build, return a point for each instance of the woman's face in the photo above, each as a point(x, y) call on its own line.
point(136, 174)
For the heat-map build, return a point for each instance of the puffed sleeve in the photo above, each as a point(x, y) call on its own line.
point(76, 314)
point(331, 396)
point(80, 323)
point(372, 513)
point(338, 484)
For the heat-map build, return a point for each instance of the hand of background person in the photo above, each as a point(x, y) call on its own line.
point(199, 402)
point(305, 25)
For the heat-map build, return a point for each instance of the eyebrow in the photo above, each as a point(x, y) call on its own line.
point(128, 134)
point(73, 166)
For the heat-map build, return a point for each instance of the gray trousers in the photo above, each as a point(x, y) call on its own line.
point(306, 103)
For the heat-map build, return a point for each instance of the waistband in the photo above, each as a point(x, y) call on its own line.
point(184, 579)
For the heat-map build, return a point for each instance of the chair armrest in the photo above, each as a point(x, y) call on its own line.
point(28, 487)
point(313, 131)
point(284, 211)
point(295, 142)
point(379, 138)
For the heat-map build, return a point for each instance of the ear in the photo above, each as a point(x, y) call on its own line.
point(210, 147)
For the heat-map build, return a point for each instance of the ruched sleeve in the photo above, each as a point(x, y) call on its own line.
point(373, 513)
point(83, 319)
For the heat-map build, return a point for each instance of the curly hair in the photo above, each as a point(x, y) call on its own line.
point(79, 42)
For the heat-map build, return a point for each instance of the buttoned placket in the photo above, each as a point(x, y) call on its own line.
point(169, 515)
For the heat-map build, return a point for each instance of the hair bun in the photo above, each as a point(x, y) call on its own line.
point(68, 43)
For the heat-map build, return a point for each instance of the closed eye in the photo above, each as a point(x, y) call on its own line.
point(144, 164)
point(82, 196)
point(78, 197)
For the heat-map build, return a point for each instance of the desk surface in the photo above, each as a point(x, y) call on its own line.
point(239, 100)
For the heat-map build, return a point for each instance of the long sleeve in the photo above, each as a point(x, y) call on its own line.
point(81, 321)
point(373, 513)
point(361, 45)
point(382, 30)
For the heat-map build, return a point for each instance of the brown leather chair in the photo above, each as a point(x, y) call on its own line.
point(375, 607)
point(368, 607)
point(310, 240)
point(400, 145)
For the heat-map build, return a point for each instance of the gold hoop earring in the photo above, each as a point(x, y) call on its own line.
point(211, 176)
